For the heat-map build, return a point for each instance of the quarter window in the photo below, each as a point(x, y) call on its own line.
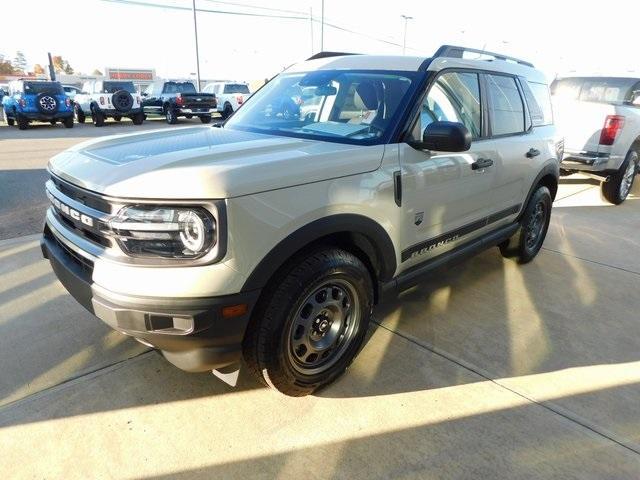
point(506, 110)
point(539, 103)
point(454, 97)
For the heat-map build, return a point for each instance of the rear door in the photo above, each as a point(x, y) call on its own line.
point(445, 200)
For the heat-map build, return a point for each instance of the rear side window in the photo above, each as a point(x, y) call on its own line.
point(506, 110)
point(539, 103)
point(454, 97)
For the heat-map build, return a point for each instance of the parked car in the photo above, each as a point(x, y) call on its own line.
point(34, 100)
point(102, 99)
point(230, 95)
point(600, 119)
point(273, 236)
point(71, 91)
point(175, 99)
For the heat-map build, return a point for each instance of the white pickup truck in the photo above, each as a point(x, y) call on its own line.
point(230, 95)
point(600, 120)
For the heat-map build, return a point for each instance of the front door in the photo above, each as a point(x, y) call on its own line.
point(446, 197)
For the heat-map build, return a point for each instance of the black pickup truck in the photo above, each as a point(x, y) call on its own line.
point(178, 99)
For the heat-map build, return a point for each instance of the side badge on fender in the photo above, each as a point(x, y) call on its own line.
point(418, 218)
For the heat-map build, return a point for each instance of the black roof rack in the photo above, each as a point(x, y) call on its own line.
point(329, 54)
point(452, 51)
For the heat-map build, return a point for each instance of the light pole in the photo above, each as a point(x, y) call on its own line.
point(195, 31)
point(404, 40)
point(322, 28)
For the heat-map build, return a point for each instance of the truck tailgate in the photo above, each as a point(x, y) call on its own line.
point(581, 123)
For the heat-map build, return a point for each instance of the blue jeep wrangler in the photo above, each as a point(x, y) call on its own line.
point(35, 100)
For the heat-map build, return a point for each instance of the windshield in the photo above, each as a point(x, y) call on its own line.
point(179, 87)
point(334, 105)
point(236, 88)
point(113, 87)
point(42, 87)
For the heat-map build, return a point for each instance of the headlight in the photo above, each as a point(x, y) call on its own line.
point(170, 232)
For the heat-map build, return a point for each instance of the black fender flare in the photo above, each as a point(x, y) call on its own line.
point(551, 168)
point(373, 238)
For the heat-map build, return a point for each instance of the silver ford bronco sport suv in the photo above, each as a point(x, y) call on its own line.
point(272, 237)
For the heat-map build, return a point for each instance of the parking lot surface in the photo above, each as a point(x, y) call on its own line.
point(488, 370)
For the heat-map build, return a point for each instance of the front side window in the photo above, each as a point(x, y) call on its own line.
point(335, 105)
point(454, 97)
point(506, 110)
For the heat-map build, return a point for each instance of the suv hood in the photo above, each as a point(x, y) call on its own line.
point(206, 163)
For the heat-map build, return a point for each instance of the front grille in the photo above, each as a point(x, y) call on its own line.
point(90, 199)
point(83, 232)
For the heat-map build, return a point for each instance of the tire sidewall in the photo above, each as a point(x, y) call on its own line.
point(115, 101)
point(541, 194)
point(41, 109)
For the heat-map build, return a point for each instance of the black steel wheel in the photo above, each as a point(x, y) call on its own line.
point(309, 327)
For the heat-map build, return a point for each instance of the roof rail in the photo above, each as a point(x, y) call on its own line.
point(329, 54)
point(453, 51)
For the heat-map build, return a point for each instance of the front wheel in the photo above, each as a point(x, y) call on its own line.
point(205, 118)
point(79, 114)
point(617, 188)
point(311, 325)
point(68, 122)
point(10, 121)
point(23, 123)
point(525, 244)
point(97, 117)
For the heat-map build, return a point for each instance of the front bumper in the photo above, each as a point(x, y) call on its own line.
point(591, 161)
point(45, 116)
point(192, 333)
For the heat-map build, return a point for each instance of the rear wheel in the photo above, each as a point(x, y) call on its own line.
point(311, 325)
point(98, 117)
point(79, 114)
point(620, 183)
point(188, 116)
point(52, 122)
point(117, 118)
point(525, 244)
point(205, 118)
point(170, 115)
point(68, 122)
point(227, 110)
point(10, 120)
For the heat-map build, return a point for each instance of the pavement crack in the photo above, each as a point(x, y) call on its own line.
point(549, 406)
point(590, 261)
point(93, 373)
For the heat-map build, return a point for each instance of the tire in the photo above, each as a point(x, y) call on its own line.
point(52, 122)
point(97, 117)
point(170, 115)
point(46, 103)
point(320, 305)
point(23, 123)
point(525, 244)
point(205, 118)
point(68, 122)
point(138, 118)
point(227, 111)
point(79, 114)
point(122, 101)
point(617, 189)
point(10, 121)
point(188, 116)
point(117, 118)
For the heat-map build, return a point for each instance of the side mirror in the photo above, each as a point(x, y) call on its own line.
point(445, 137)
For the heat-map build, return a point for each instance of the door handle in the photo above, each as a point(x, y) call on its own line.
point(533, 152)
point(481, 163)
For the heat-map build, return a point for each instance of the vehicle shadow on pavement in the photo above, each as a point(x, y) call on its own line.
point(24, 202)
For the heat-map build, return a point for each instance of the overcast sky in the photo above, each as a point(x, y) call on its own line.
point(556, 36)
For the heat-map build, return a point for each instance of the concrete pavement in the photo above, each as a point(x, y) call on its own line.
point(490, 370)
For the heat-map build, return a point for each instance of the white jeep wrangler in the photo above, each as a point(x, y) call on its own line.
point(102, 99)
point(273, 237)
